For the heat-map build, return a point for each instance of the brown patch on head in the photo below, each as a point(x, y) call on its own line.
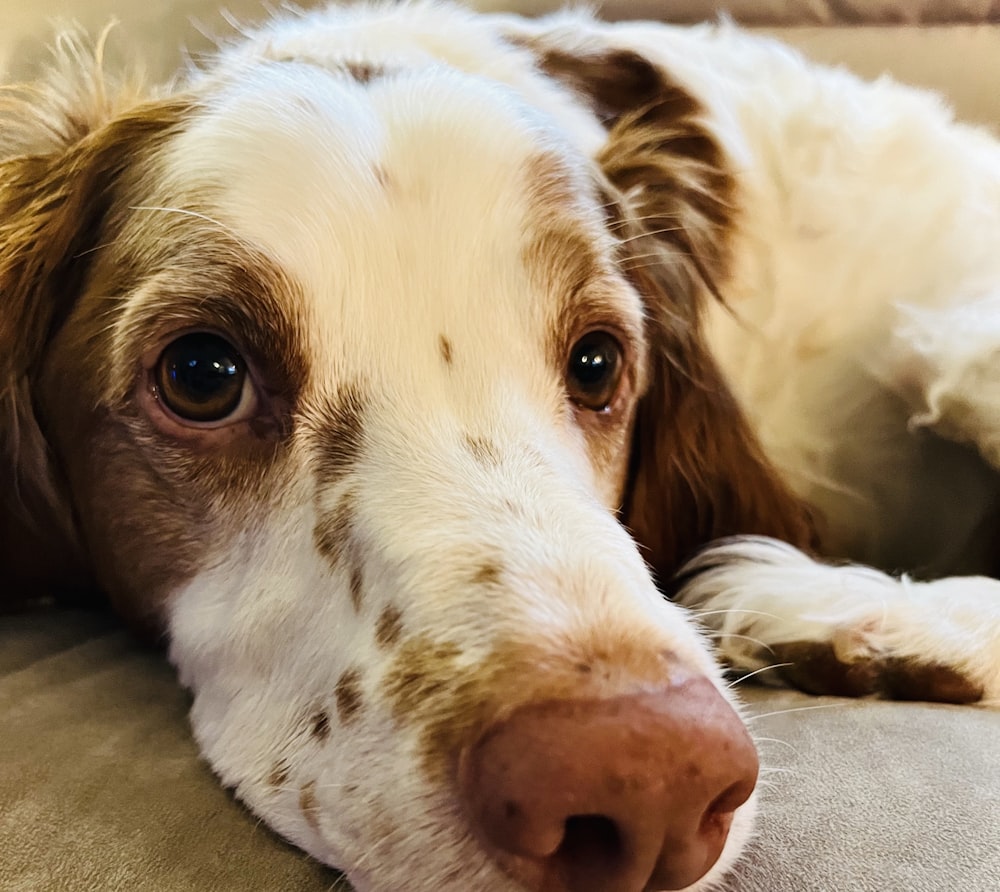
point(611, 80)
point(568, 257)
point(363, 72)
point(488, 573)
point(444, 347)
point(429, 686)
point(309, 805)
point(348, 694)
point(389, 627)
point(483, 450)
point(815, 668)
point(319, 725)
point(337, 428)
point(661, 151)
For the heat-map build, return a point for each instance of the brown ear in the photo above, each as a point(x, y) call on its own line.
point(698, 471)
point(61, 160)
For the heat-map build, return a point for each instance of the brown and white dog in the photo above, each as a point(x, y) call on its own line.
point(385, 366)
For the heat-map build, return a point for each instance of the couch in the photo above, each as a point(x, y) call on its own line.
point(101, 786)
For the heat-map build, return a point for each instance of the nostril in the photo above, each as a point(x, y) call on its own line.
point(592, 851)
point(720, 810)
point(610, 795)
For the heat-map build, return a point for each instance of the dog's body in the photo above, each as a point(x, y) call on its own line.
point(340, 362)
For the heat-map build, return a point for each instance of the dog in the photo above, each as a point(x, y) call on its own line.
point(392, 366)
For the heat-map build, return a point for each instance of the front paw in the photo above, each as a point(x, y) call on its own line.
point(820, 667)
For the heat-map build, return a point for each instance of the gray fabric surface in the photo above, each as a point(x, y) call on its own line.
point(101, 787)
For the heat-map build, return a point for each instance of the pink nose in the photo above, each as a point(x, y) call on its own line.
point(629, 794)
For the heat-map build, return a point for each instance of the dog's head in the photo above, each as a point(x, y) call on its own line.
point(342, 366)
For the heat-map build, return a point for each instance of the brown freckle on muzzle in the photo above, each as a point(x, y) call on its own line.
point(389, 627)
point(310, 805)
point(320, 725)
point(348, 693)
point(279, 774)
point(332, 532)
point(357, 587)
point(419, 672)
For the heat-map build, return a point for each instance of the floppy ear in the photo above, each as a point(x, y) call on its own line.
point(698, 471)
point(63, 149)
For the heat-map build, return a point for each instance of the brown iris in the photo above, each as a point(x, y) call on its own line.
point(200, 377)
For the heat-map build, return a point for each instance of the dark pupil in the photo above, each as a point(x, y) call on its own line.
point(593, 361)
point(203, 377)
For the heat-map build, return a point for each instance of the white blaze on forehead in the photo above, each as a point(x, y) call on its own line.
point(401, 205)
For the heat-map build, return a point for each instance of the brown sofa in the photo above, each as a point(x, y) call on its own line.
point(101, 787)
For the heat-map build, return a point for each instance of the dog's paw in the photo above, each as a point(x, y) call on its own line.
point(828, 667)
point(847, 630)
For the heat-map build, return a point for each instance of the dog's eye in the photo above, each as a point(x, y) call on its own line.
point(201, 378)
point(594, 370)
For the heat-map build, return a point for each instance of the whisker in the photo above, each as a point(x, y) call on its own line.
point(185, 212)
point(768, 715)
point(650, 232)
point(724, 610)
point(715, 636)
point(743, 678)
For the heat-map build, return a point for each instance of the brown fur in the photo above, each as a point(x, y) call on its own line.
point(698, 471)
point(430, 686)
point(71, 247)
point(53, 206)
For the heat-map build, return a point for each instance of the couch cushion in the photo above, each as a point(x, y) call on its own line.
point(101, 786)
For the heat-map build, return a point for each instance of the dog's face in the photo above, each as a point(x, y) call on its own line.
point(341, 372)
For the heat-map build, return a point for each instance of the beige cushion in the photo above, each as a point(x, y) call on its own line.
point(101, 787)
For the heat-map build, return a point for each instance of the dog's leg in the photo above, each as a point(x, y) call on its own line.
point(847, 630)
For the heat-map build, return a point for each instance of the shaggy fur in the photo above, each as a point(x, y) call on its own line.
point(415, 521)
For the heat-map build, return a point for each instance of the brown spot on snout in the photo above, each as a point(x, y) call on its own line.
point(310, 805)
point(279, 774)
point(320, 725)
point(389, 627)
point(332, 532)
point(357, 587)
point(449, 700)
point(348, 693)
